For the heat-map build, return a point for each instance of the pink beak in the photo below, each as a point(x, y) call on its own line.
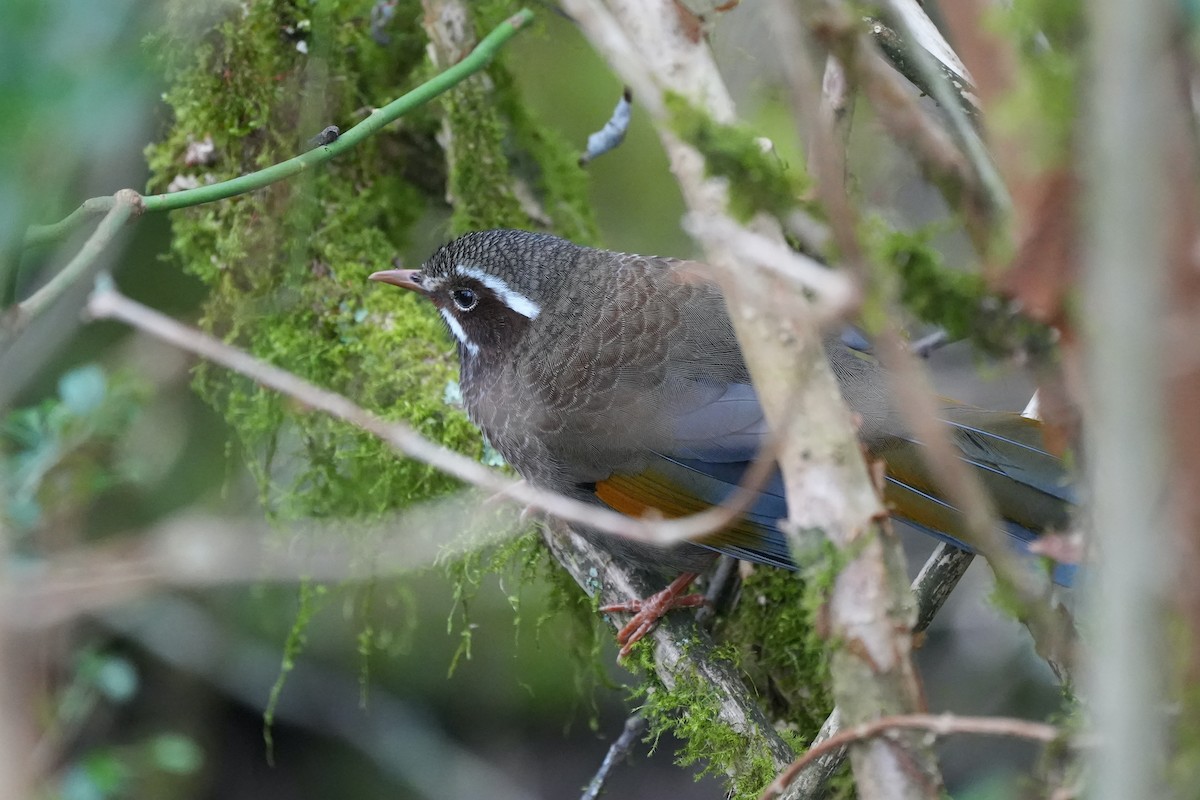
point(404, 278)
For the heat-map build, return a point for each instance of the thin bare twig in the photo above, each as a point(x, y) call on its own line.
point(935, 724)
point(1052, 629)
point(107, 302)
point(834, 293)
point(126, 204)
point(815, 104)
point(635, 726)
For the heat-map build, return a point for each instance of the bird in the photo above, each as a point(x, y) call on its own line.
point(617, 379)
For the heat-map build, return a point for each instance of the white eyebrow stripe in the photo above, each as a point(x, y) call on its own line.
point(511, 298)
point(458, 332)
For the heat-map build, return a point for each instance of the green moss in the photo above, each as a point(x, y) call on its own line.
point(498, 148)
point(286, 266)
point(523, 561)
point(690, 710)
point(758, 181)
point(773, 633)
point(480, 182)
point(957, 301)
point(311, 599)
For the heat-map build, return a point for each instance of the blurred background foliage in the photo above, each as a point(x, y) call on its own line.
point(109, 434)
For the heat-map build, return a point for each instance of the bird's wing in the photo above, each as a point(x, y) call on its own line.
point(1029, 486)
point(718, 439)
point(678, 487)
point(715, 423)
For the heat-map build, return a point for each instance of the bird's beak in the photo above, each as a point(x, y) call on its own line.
point(404, 278)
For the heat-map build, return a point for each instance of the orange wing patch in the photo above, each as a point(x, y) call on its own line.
point(636, 495)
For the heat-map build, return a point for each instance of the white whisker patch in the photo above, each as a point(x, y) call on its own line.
point(509, 296)
point(458, 332)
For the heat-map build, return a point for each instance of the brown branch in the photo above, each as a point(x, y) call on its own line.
point(932, 586)
point(634, 727)
point(935, 724)
point(827, 483)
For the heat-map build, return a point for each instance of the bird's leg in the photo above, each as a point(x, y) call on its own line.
point(647, 612)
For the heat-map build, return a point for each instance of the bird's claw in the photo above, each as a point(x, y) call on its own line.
point(647, 612)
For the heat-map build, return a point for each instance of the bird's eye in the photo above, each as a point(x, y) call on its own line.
point(465, 299)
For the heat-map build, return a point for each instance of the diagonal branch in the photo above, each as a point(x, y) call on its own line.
point(827, 482)
point(682, 649)
point(934, 724)
point(107, 303)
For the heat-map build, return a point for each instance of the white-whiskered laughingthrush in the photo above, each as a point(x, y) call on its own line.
point(617, 378)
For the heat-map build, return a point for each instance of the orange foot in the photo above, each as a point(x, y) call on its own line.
point(647, 613)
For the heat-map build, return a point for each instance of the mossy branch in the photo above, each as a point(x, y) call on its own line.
point(479, 58)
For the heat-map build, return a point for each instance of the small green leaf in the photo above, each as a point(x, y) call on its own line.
point(24, 512)
point(491, 456)
point(99, 776)
point(82, 390)
point(452, 395)
point(78, 785)
point(117, 679)
point(176, 754)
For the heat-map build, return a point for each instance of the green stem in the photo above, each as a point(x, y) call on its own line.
point(40, 234)
point(479, 58)
point(121, 208)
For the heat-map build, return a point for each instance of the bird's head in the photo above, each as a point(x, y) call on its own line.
point(491, 287)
